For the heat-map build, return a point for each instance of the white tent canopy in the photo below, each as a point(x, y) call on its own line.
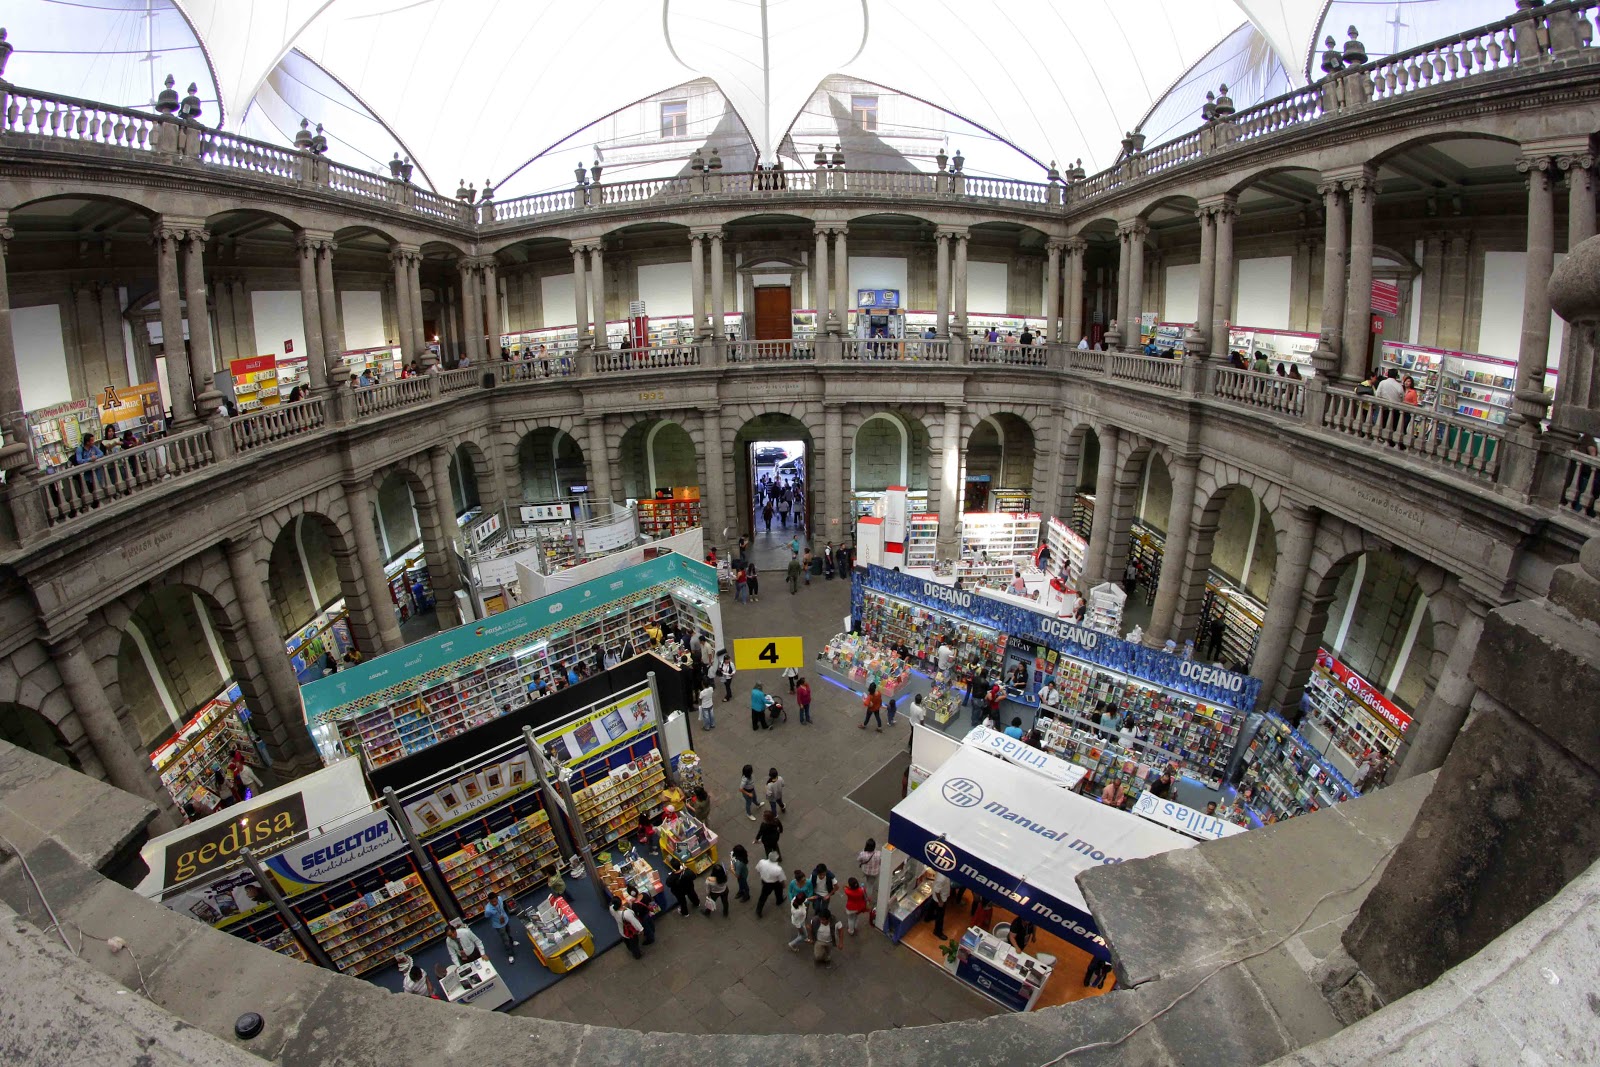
point(475, 88)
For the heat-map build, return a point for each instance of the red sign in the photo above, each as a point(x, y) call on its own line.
point(1377, 324)
point(288, 346)
point(1386, 297)
point(1363, 693)
point(251, 365)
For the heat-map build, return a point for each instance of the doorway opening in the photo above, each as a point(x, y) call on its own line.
point(774, 313)
point(778, 483)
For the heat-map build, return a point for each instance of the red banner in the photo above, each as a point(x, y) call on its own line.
point(1364, 694)
point(1386, 298)
point(251, 365)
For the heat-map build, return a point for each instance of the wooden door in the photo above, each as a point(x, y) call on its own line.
point(773, 320)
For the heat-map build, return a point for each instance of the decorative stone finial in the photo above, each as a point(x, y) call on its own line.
point(167, 99)
point(1208, 110)
point(715, 162)
point(302, 137)
point(1054, 175)
point(189, 108)
point(1076, 173)
point(838, 156)
point(319, 143)
point(5, 50)
point(578, 172)
point(1574, 287)
point(396, 168)
point(697, 162)
point(463, 194)
point(488, 191)
point(1225, 107)
point(942, 159)
point(594, 172)
point(1355, 53)
point(1332, 58)
point(957, 162)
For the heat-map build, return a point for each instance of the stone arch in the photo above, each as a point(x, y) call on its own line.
point(656, 452)
point(897, 447)
point(471, 477)
point(1002, 446)
point(771, 423)
point(550, 460)
point(310, 565)
point(401, 493)
point(28, 729)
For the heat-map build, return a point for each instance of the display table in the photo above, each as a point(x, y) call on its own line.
point(905, 908)
point(558, 936)
point(476, 983)
point(635, 874)
point(690, 840)
point(856, 662)
point(991, 966)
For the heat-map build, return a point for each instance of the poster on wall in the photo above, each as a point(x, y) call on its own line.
point(603, 728)
point(481, 787)
point(338, 854)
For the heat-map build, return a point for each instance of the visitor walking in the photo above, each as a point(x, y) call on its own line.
point(641, 903)
point(741, 584)
point(855, 904)
point(824, 931)
point(758, 708)
point(770, 870)
point(802, 698)
point(741, 872)
point(753, 580)
point(797, 921)
point(873, 703)
point(747, 790)
point(775, 793)
point(726, 671)
point(628, 926)
point(792, 575)
point(793, 677)
point(805, 566)
point(680, 880)
point(708, 706)
point(498, 911)
point(768, 833)
point(717, 890)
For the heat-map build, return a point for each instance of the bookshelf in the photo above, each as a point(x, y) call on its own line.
point(1286, 776)
point(610, 806)
point(898, 624)
point(1147, 549)
point(1354, 726)
point(397, 914)
point(1425, 365)
point(922, 540)
point(511, 858)
point(209, 739)
point(269, 930)
point(1479, 387)
point(1067, 549)
point(57, 429)
point(255, 382)
point(1083, 514)
point(663, 518)
point(1242, 616)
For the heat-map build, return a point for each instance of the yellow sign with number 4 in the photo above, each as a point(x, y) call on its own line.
point(765, 653)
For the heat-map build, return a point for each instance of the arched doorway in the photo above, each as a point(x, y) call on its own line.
point(29, 730)
point(999, 465)
point(549, 463)
point(656, 454)
point(889, 448)
point(309, 585)
point(770, 450)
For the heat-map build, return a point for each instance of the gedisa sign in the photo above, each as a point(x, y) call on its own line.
point(258, 828)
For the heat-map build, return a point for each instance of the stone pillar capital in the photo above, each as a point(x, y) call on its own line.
point(698, 232)
point(161, 234)
point(1220, 201)
point(950, 232)
point(1361, 187)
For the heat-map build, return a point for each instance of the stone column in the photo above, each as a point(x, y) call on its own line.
point(941, 282)
point(419, 330)
point(1222, 285)
point(1444, 711)
point(1533, 351)
point(597, 453)
point(359, 500)
point(841, 289)
point(491, 302)
point(1119, 313)
point(948, 546)
point(15, 454)
point(1575, 385)
point(125, 768)
point(472, 310)
point(1052, 292)
point(1138, 229)
point(283, 729)
point(1094, 564)
point(439, 543)
point(202, 357)
point(834, 472)
point(1335, 253)
point(328, 303)
point(1363, 192)
point(1049, 503)
point(697, 284)
point(398, 259)
point(958, 283)
point(1076, 248)
point(1185, 472)
point(1199, 336)
point(719, 330)
point(713, 505)
point(580, 292)
point(179, 378)
point(227, 338)
point(1283, 600)
point(597, 286)
point(310, 315)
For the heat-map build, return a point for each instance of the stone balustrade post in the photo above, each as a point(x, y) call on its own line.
point(1335, 254)
point(1361, 187)
point(167, 236)
point(1076, 248)
point(1052, 292)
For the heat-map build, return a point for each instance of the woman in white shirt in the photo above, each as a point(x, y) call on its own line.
point(416, 982)
point(628, 926)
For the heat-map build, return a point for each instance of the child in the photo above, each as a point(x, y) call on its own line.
point(855, 904)
point(797, 919)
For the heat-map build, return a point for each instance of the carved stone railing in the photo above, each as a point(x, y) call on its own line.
point(219, 149)
point(1268, 392)
point(1460, 445)
point(662, 357)
point(257, 429)
point(74, 493)
point(459, 380)
point(742, 352)
point(537, 368)
point(343, 179)
point(1092, 360)
point(1147, 370)
point(1008, 355)
point(1580, 490)
point(391, 395)
point(889, 349)
point(70, 119)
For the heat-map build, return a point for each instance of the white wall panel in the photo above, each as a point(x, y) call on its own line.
point(1183, 289)
point(276, 316)
point(557, 299)
point(1500, 324)
point(363, 319)
point(664, 288)
point(878, 272)
point(1261, 295)
point(41, 356)
point(986, 288)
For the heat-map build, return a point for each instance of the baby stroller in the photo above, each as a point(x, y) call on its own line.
point(775, 712)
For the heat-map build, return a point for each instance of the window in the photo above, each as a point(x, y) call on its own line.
point(865, 110)
point(674, 118)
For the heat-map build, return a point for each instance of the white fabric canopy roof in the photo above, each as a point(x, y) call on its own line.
point(475, 88)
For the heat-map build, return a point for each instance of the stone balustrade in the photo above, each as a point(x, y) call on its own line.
point(740, 352)
point(1008, 355)
point(1448, 442)
point(889, 349)
point(1253, 389)
point(1580, 489)
point(660, 357)
point(76, 492)
point(1158, 371)
point(257, 429)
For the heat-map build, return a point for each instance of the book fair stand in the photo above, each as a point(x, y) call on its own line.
point(1001, 822)
point(362, 870)
point(1116, 708)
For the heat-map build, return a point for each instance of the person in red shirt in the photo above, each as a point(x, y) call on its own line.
point(855, 904)
point(996, 694)
point(802, 697)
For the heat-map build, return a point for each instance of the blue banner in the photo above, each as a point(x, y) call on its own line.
point(1201, 680)
point(386, 678)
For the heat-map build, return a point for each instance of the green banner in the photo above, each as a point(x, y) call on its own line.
point(432, 660)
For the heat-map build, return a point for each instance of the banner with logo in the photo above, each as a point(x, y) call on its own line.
point(334, 856)
point(1363, 692)
point(1212, 684)
point(1064, 773)
point(1019, 841)
point(1184, 819)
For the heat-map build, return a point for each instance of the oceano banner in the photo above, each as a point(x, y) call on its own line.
point(1213, 684)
